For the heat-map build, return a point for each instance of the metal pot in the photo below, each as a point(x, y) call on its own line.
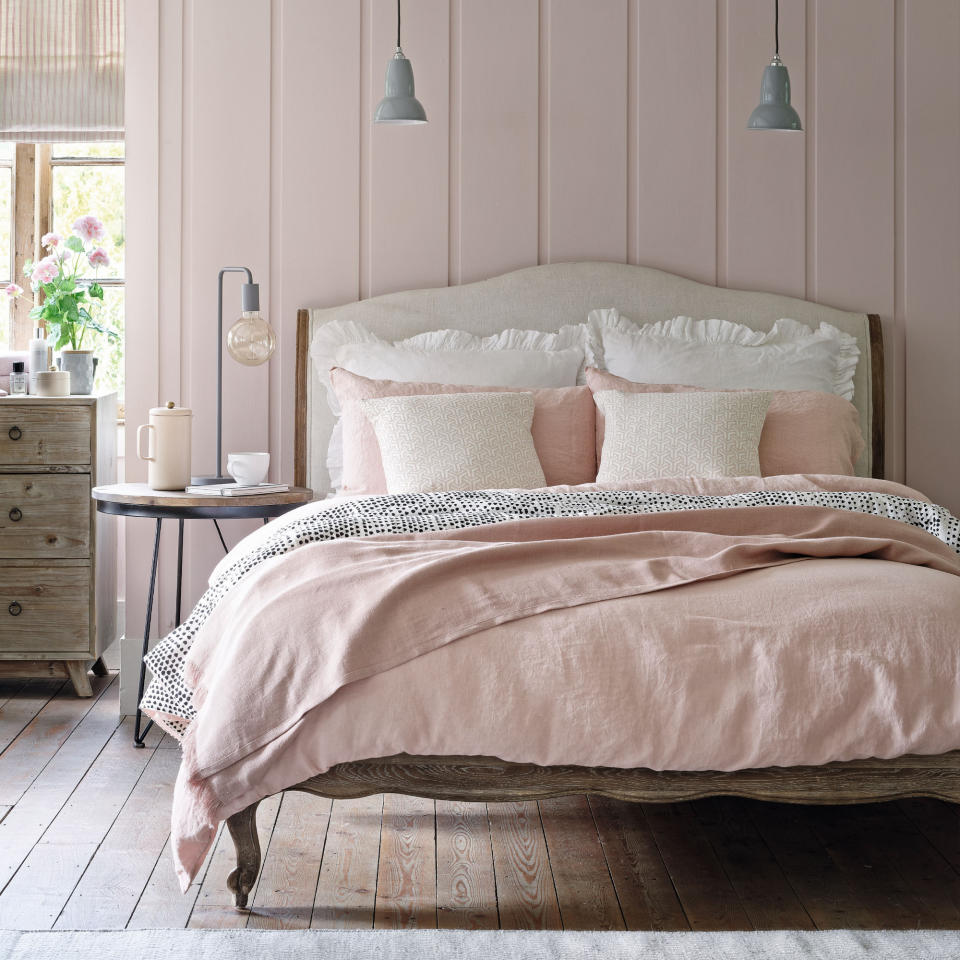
point(82, 366)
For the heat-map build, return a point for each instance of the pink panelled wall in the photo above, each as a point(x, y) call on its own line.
point(559, 129)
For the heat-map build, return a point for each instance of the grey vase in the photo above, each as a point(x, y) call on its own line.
point(82, 367)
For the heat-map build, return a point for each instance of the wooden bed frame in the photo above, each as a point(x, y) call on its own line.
point(492, 780)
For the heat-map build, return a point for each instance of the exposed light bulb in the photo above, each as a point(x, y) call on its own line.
point(251, 340)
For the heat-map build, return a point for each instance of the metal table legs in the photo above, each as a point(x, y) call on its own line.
point(138, 735)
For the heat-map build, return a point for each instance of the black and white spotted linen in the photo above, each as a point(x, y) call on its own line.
point(169, 695)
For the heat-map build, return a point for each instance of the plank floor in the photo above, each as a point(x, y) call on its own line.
point(84, 843)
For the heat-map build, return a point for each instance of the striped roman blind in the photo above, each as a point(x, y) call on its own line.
point(61, 70)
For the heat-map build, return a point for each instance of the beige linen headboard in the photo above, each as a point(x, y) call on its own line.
point(548, 297)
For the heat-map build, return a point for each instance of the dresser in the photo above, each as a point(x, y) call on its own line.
point(58, 555)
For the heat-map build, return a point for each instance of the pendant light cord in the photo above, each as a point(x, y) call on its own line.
point(776, 25)
point(398, 24)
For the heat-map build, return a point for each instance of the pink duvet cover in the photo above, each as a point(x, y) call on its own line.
point(707, 639)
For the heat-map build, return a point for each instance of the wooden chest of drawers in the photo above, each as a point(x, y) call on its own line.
point(58, 563)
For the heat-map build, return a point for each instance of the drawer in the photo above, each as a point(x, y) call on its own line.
point(44, 516)
point(44, 434)
point(44, 609)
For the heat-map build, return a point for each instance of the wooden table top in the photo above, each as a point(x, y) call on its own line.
point(140, 495)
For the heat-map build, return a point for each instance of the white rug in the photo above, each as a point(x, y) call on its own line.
point(493, 945)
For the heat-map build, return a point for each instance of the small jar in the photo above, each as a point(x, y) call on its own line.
point(18, 380)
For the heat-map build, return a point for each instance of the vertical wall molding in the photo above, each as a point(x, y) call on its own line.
point(543, 73)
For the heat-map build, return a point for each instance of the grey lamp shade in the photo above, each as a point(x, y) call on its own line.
point(399, 104)
point(774, 111)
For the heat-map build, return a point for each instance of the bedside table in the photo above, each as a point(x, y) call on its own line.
point(139, 500)
point(58, 557)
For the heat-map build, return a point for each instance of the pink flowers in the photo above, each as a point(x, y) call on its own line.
point(98, 257)
point(45, 271)
point(51, 241)
point(13, 290)
point(89, 228)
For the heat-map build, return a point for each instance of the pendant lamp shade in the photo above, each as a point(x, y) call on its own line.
point(399, 104)
point(774, 111)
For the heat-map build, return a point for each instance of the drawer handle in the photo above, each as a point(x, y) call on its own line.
point(14, 609)
point(14, 433)
point(16, 514)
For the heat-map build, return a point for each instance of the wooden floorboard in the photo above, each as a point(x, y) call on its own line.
point(347, 887)
point(585, 891)
point(22, 701)
point(161, 903)
point(709, 899)
point(42, 736)
point(466, 886)
point(111, 886)
point(526, 895)
point(828, 894)
point(889, 898)
point(84, 843)
point(213, 909)
point(44, 882)
point(51, 789)
point(939, 823)
point(407, 873)
point(647, 897)
point(291, 867)
point(765, 894)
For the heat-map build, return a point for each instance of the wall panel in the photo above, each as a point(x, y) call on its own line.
point(494, 138)
point(583, 212)
point(673, 149)
point(315, 233)
point(226, 222)
point(931, 246)
point(852, 169)
point(761, 225)
point(404, 234)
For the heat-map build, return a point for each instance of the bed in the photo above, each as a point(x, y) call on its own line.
point(545, 298)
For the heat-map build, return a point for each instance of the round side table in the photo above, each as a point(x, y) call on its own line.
point(138, 500)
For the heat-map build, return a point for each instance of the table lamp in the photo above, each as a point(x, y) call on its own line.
point(250, 341)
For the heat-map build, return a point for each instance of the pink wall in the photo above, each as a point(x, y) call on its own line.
point(559, 129)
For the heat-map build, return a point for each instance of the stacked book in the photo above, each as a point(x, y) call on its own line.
point(236, 489)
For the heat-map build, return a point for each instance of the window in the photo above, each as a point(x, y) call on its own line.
point(44, 188)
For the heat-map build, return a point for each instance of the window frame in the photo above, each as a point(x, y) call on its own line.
point(33, 166)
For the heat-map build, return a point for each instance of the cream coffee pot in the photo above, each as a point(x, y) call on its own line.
point(168, 447)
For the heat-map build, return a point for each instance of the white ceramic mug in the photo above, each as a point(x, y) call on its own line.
point(248, 468)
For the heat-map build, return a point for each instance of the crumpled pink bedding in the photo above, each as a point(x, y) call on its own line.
point(708, 639)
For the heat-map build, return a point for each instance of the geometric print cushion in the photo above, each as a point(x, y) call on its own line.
point(462, 441)
point(650, 435)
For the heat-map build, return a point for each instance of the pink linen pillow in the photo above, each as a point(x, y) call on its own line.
point(805, 431)
point(564, 429)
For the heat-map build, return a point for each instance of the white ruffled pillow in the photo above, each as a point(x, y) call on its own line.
point(511, 358)
point(722, 355)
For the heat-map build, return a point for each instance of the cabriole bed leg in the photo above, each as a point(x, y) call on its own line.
point(243, 829)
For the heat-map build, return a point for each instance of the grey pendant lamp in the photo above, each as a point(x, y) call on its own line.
point(774, 111)
point(399, 104)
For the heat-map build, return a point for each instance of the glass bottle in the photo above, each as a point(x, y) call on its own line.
point(18, 380)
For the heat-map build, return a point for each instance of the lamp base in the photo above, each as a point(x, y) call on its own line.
point(210, 481)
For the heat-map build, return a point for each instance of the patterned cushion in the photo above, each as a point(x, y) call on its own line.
point(680, 434)
point(464, 441)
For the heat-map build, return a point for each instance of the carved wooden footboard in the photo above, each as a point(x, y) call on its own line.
point(487, 779)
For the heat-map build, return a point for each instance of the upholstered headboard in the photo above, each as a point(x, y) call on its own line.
point(547, 298)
